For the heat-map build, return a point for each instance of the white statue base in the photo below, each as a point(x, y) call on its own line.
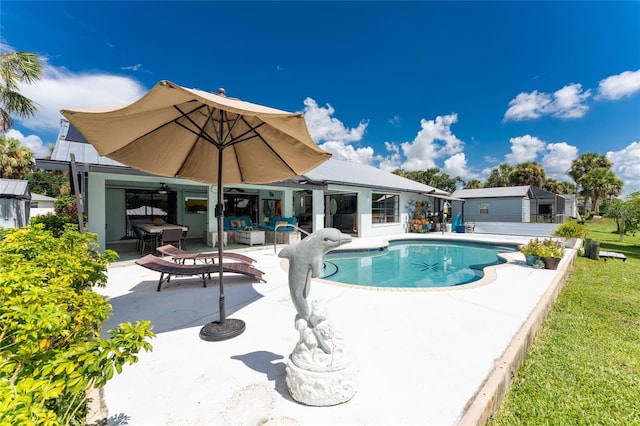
point(319, 372)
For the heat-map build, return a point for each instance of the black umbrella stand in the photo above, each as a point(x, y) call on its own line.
point(223, 329)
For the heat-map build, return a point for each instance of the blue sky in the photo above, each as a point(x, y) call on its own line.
point(462, 86)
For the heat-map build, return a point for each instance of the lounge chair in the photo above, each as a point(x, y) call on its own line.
point(179, 255)
point(203, 270)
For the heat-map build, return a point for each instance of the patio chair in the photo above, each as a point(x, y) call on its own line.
point(203, 270)
point(171, 236)
point(180, 255)
point(183, 240)
point(144, 239)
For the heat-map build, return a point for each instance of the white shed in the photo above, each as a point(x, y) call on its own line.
point(15, 201)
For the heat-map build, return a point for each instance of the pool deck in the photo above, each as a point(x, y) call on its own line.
point(428, 357)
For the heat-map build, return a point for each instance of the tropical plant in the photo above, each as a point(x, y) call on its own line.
point(432, 177)
point(601, 183)
point(51, 351)
point(50, 183)
point(527, 173)
point(473, 184)
point(583, 173)
point(532, 248)
point(570, 229)
point(499, 176)
point(551, 248)
point(547, 247)
point(17, 67)
point(16, 161)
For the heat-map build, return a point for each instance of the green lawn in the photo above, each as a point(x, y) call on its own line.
point(584, 365)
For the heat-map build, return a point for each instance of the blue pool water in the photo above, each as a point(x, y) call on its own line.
point(414, 263)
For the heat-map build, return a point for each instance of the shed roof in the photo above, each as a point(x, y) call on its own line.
point(41, 197)
point(14, 188)
point(500, 192)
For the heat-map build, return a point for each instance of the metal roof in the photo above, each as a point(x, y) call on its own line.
point(41, 197)
point(14, 188)
point(342, 172)
point(70, 141)
point(500, 192)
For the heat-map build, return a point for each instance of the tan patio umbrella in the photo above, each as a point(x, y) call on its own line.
point(173, 131)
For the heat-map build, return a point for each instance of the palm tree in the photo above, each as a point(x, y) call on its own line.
point(528, 173)
point(473, 184)
point(17, 67)
point(580, 168)
point(499, 176)
point(16, 161)
point(601, 183)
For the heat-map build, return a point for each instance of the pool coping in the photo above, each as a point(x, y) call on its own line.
point(488, 399)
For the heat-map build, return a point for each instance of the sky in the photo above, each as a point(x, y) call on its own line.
point(461, 86)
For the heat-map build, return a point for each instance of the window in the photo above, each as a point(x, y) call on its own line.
point(385, 208)
point(197, 205)
point(484, 208)
point(241, 205)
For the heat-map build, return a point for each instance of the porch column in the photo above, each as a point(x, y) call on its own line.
point(96, 208)
point(317, 209)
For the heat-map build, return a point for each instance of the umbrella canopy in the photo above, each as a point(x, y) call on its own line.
point(177, 132)
point(173, 131)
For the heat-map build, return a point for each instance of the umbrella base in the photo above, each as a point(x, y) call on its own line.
point(216, 331)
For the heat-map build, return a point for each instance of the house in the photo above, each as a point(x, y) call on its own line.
point(15, 201)
point(42, 205)
point(358, 199)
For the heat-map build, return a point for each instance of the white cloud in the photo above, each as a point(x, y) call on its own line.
point(323, 127)
point(527, 106)
point(337, 138)
point(524, 148)
point(456, 165)
point(433, 141)
point(61, 89)
point(343, 151)
point(33, 142)
point(393, 160)
point(567, 102)
point(558, 160)
point(618, 86)
point(626, 165)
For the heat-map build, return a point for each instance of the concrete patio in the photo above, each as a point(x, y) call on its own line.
point(429, 357)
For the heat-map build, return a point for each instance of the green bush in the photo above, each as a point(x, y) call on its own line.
point(54, 223)
point(570, 229)
point(51, 352)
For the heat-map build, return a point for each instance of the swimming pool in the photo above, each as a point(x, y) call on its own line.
point(414, 263)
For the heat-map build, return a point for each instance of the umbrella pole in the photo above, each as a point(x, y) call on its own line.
point(224, 328)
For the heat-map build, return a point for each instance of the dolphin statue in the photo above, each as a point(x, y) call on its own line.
point(305, 262)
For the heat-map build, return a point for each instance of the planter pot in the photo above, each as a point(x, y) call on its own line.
point(572, 243)
point(551, 262)
point(531, 259)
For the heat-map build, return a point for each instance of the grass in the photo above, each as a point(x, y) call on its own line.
point(584, 365)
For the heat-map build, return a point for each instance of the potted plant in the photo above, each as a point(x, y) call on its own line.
point(551, 252)
point(571, 232)
point(531, 250)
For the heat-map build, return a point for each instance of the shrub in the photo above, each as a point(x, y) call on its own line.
point(54, 223)
point(570, 229)
point(51, 351)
